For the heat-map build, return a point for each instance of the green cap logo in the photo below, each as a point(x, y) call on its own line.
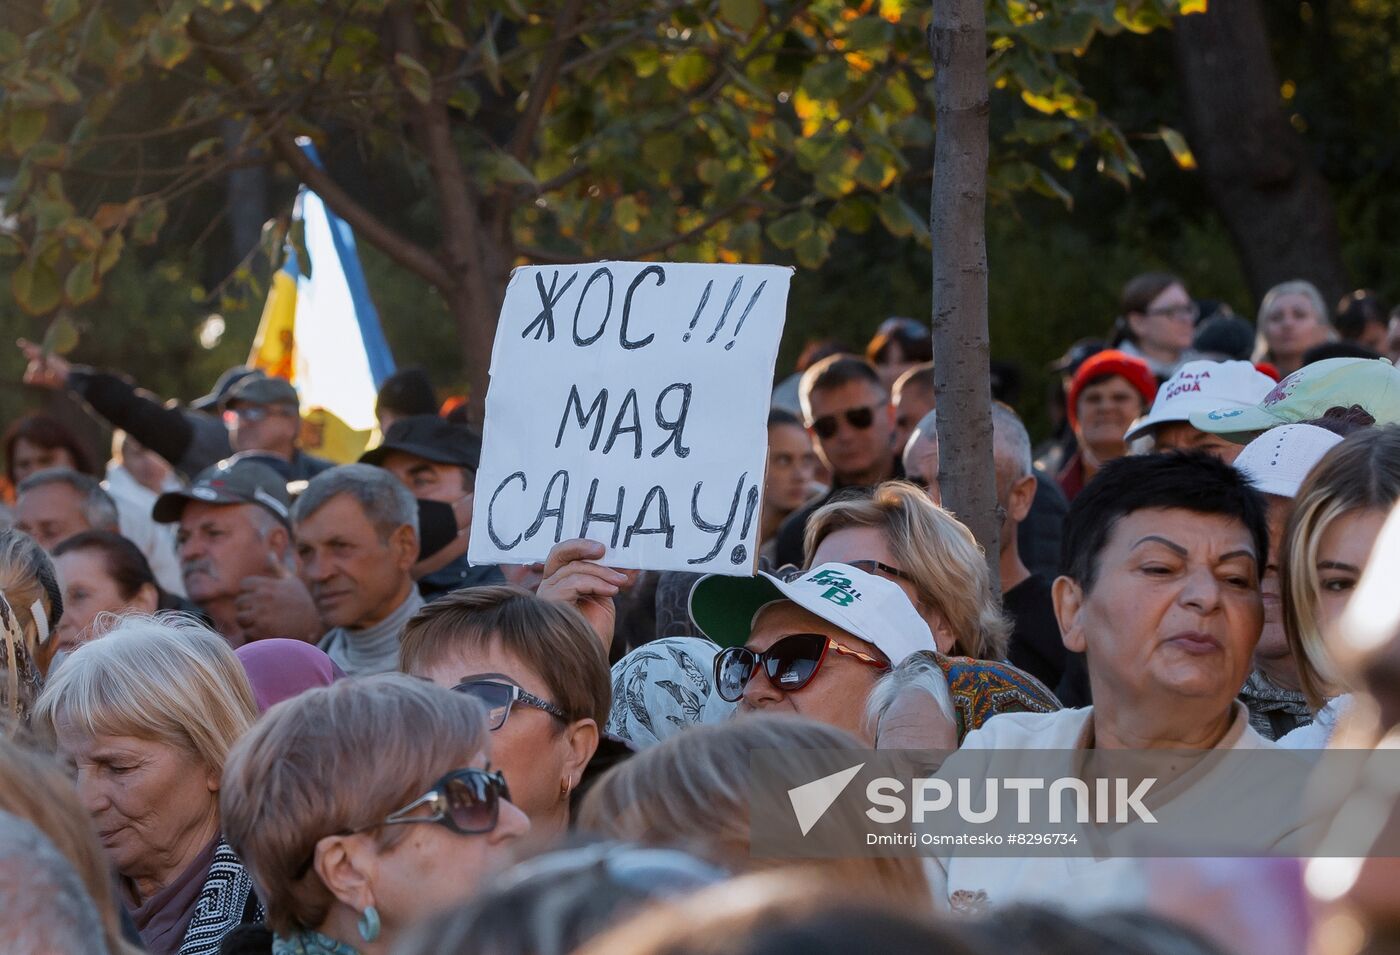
point(839, 590)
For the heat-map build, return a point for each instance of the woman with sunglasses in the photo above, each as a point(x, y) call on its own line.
point(539, 670)
point(813, 646)
point(364, 807)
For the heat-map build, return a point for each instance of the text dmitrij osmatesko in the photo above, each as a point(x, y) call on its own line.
point(924, 839)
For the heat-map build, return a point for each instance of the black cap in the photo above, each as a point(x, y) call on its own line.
point(234, 480)
point(260, 389)
point(1085, 348)
point(431, 438)
point(226, 381)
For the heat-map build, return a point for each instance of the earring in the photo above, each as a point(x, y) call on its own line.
point(564, 788)
point(369, 924)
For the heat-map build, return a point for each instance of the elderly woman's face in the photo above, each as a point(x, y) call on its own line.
point(433, 868)
point(1106, 410)
point(1174, 614)
point(530, 747)
point(152, 804)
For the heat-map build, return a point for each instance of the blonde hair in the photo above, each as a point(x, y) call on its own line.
point(332, 760)
point(935, 549)
point(693, 791)
point(1361, 473)
point(165, 678)
point(1266, 307)
point(34, 788)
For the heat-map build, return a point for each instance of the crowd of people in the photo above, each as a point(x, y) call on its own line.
point(256, 702)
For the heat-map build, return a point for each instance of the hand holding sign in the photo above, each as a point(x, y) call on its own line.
point(628, 405)
point(571, 577)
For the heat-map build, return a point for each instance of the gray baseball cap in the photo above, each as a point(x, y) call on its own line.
point(259, 389)
point(231, 481)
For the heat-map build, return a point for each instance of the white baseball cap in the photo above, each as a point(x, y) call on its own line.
point(1204, 386)
point(1279, 460)
point(867, 607)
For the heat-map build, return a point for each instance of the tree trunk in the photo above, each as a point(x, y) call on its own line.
point(1256, 166)
point(961, 348)
point(476, 316)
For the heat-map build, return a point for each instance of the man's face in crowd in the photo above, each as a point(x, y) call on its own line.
point(792, 466)
point(1273, 644)
point(1015, 494)
point(429, 480)
point(1180, 436)
point(274, 430)
point(838, 692)
point(911, 403)
point(50, 514)
point(29, 458)
point(219, 545)
point(1173, 615)
point(854, 453)
point(355, 576)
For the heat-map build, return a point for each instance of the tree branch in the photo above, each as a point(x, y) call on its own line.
point(402, 250)
point(545, 75)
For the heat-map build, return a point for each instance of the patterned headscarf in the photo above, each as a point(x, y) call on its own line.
point(982, 689)
point(662, 687)
point(20, 683)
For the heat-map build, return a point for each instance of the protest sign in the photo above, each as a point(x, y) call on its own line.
point(628, 404)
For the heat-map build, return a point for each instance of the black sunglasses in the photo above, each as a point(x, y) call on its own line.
point(467, 801)
point(858, 418)
point(790, 664)
point(498, 697)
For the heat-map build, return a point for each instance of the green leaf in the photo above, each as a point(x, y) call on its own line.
point(25, 128)
point(688, 70)
point(111, 252)
point(897, 217)
point(856, 214)
point(204, 147)
point(147, 224)
point(813, 248)
point(168, 48)
point(10, 245)
point(1048, 186)
point(506, 168)
point(627, 214)
point(663, 152)
point(491, 59)
point(790, 229)
point(415, 78)
point(10, 48)
point(451, 35)
point(466, 99)
point(743, 14)
point(80, 286)
point(60, 12)
point(1180, 151)
point(35, 287)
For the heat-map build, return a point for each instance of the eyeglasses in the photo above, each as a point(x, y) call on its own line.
point(790, 664)
point(499, 697)
point(1181, 310)
point(467, 801)
point(253, 413)
point(876, 567)
point(859, 418)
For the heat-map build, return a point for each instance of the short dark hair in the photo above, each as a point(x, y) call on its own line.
point(125, 563)
point(919, 378)
point(407, 391)
point(1187, 480)
point(98, 506)
point(1356, 310)
point(915, 341)
point(47, 433)
point(834, 371)
point(781, 416)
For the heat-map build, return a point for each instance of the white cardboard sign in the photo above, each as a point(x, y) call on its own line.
point(628, 404)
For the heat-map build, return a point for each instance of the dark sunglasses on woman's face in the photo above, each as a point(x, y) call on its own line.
point(498, 697)
point(467, 801)
point(790, 664)
point(858, 418)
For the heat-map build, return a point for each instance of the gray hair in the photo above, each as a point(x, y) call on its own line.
point(384, 499)
point(1271, 297)
point(918, 672)
point(99, 509)
point(1009, 435)
point(1012, 441)
point(47, 908)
